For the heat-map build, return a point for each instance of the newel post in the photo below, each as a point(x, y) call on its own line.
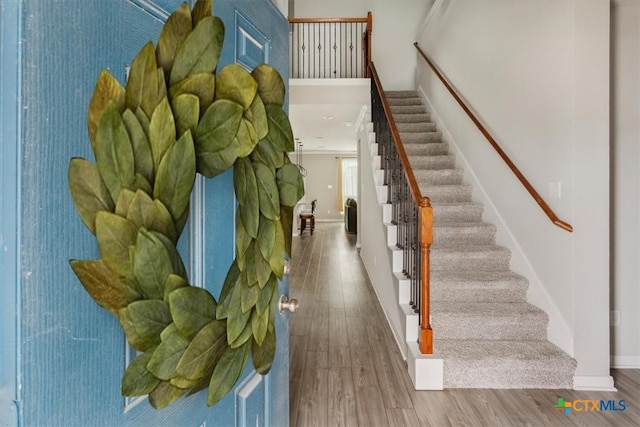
point(369, 55)
point(426, 238)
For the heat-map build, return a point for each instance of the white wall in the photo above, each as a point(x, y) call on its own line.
point(625, 175)
point(322, 172)
point(395, 25)
point(537, 74)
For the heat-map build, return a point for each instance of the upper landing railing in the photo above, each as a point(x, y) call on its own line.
point(330, 48)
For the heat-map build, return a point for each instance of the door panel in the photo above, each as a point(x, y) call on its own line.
point(70, 352)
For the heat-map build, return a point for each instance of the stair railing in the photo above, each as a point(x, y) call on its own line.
point(536, 196)
point(411, 211)
point(330, 48)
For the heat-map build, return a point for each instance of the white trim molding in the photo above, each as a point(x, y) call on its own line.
point(589, 383)
point(625, 362)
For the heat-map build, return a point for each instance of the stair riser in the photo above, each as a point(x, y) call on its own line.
point(421, 137)
point(459, 261)
point(412, 118)
point(463, 327)
point(471, 235)
point(416, 127)
point(457, 375)
point(470, 293)
point(434, 148)
point(446, 193)
point(401, 94)
point(407, 109)
point(439, 177)
point(456, 213)
point(432, 162)
point(404, 101)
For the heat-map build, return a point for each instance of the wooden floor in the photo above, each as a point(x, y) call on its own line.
point(346, 369)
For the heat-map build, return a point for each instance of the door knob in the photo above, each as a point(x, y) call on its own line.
point(288, 304)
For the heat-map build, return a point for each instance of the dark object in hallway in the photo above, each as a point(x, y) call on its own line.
point(308, 215)
point(351, 215)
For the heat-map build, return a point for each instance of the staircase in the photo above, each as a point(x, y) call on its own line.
point(485, 331)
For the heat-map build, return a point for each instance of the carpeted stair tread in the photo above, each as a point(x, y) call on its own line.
point(404, 101)
point(478, 286)
point(401, 93)
point(504, 364)
point(407, 109)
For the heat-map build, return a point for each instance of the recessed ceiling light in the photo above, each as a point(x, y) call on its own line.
point(348, 124)
point(327, 117)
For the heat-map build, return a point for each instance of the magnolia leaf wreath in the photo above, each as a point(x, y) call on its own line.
point(175, 117)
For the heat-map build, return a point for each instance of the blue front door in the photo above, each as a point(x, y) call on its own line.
point(65, 355)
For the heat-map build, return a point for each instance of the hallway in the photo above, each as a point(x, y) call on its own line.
point(346, 369)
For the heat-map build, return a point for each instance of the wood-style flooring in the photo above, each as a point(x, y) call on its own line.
point(346, 369)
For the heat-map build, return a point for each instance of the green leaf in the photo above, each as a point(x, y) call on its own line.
point(173, 34)
point(105, 286)
point(141, 183)
point(276, 261)
point(186, 108)
point(176, 175)
point(184, 383)
point(286, 219)
point(227, 372)
point(177, 265)
point(166, 356)
point(162, 84)
point(172, 283)
point(191, 309)
point(204, 351)
point(236, 84)
point(268, 196)
point(243, 337)
point(266, 236)
point(143, 119)
point(148, 318)
point(242, 241)
point(89, 193)
point(107, 91)
point(240, 178)
point(143, 160)
point(216, 145)
point(266, 294)
point(137, 380)
point(114, 153)
point(202, 85)
point(124, 202)
point(230, 283)
point(151, 214)
point(162, 132)
point(262, 355)
point(257, 115)
point(269, 154)
point(236, 318)
point(164, 394)
point(182, 221)
point(134, 339)
point(249, 294)
point(263, 269)
point(271, 87)
point(247, 137)
point(142, 84)
point(152, 264)
point(115, 234)
point(259, 325)
point(290, 185)
point(280, 133)
point(201, 10)
point(250, 206)
point(200, 51)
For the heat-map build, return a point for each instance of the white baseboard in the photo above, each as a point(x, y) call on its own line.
point(625, 362)
point(587, 383)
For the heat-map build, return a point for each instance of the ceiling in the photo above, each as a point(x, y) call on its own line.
point(324, 113)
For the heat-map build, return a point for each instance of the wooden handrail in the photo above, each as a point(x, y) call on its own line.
point(326, 20)
point(545, 207)
point(425, 225)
